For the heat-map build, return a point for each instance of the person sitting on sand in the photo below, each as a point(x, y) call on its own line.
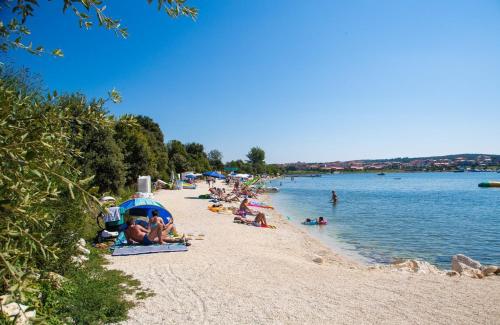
point(259, 221)
point(138, 234)
point(244, 209)
point(155, 221)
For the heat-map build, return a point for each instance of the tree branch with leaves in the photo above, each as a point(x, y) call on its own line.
point(15, 14)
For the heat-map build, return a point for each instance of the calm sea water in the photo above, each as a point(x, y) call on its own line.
point(429, 216)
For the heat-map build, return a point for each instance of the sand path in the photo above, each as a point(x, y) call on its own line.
point(245, 275)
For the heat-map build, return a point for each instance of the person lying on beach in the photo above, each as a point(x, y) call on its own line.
point(220, 195)
point(138, 234)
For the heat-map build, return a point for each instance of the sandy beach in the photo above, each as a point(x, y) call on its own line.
point(240, 274)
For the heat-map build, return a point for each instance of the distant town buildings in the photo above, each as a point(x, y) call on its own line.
point(457, 163)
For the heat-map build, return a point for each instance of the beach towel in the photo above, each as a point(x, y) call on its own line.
point(113, 215)
point(151, 249)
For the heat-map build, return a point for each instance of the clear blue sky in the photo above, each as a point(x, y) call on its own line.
point(314, 80)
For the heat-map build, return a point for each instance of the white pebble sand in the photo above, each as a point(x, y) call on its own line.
point(246, 275)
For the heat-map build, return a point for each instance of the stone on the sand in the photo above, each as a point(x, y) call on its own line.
point(472, 273)
point(318, 260)
point(452, 273)
point(415, 266)
point(489, 270)
point(459, 261)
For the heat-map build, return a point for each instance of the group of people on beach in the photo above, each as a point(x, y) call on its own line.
point(244, 211)
point(240, 191)
point(156, 231)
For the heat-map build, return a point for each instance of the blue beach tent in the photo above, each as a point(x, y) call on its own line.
point(214, 174)
point(142, 207)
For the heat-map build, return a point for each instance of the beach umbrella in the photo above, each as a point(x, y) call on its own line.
point(214, 174)
point(190, 176)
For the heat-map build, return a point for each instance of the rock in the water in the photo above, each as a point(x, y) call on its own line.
point(452, 273)
point(318, 260)
point(459, 261)
point(489, 270)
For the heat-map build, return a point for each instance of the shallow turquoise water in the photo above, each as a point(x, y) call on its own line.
point(429, 216)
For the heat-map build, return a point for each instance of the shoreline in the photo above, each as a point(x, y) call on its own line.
point(344, 254)
point(246, 275)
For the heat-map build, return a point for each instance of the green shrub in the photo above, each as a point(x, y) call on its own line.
point(45, 202)
point(92, 295)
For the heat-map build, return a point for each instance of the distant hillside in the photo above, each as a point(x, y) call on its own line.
point(467, 156)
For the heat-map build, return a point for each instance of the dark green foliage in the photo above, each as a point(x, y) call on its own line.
point(100, 156)
point(215, 160)
point(242, 166)
point(155, 140)
point(43, 193)
point(197, 158)
point(139, 157)
point(256, 155)
point(178, 156)
point(91, 295)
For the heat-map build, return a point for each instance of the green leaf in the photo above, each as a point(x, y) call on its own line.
point(58, 53)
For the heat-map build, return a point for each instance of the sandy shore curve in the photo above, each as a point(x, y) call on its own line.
point(241, 274)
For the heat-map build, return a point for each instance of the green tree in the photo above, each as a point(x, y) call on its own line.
point(156, 142)
point(256, 158)
point(139, 158)
point(99, 154)
point(178, 156)
point(197, 157)
point(15, 13)
point(215, 159)
point(242, 166)
point(45, 201)
point(256, 155)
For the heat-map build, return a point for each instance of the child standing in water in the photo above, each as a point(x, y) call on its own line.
point(334, 197)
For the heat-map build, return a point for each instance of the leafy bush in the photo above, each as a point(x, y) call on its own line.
point(92, 295)
point(44, 198)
